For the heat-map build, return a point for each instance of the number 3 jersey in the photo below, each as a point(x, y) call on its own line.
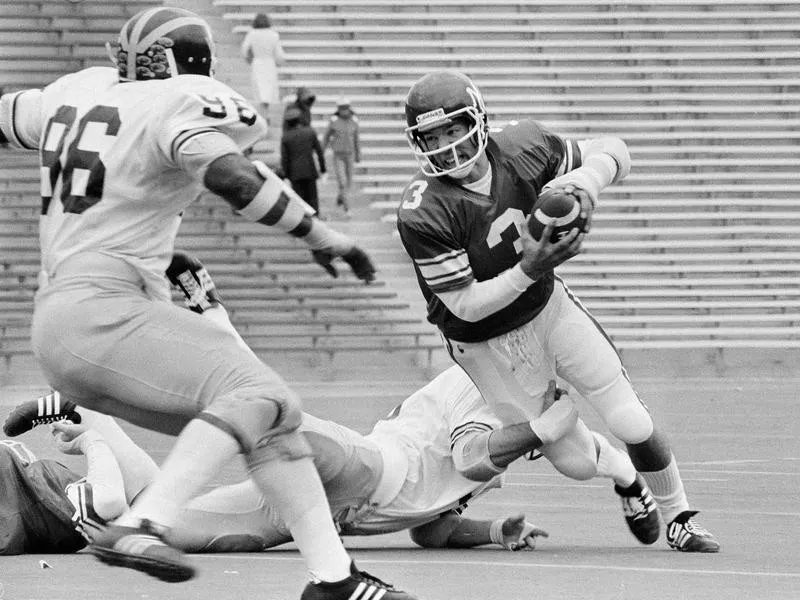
point(110, 181)
point(455, 236)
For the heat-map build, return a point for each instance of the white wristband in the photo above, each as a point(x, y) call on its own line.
point(496, 532)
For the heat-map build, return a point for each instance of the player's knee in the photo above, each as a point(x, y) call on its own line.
point(289, 445)
point(580, 467)
point(472, 458)
point(623, 412)
point(260, 422)
point(109, 505)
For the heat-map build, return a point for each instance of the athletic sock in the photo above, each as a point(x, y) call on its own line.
point(199, 453)
point(293, 487)
point(613, 462)
point(667, 489)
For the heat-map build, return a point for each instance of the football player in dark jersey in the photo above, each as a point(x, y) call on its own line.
point(35, 516)
point(507, 319)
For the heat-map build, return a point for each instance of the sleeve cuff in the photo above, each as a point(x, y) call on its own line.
point(518, 280)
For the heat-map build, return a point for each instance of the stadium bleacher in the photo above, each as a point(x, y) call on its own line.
point(696, 249)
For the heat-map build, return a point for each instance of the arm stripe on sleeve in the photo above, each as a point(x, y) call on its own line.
point(274, 212)
point(186, 136)
point(303, 227)
point(14, 132)
point(466, 428)
point(447, 266)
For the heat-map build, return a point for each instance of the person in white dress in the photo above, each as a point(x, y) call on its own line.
point(261, 48)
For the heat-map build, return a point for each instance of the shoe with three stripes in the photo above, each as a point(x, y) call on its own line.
point(640, 511)
point(685, 535)
point(141, 548)
point(43, 410)
point(359, 586)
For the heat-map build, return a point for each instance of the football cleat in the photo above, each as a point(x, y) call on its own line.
point(141, 548)
point(43, 410)
point(359, 586)
point(685, 535)
point(640, 511)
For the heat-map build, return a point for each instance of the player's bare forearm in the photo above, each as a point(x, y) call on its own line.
point(234, 178)
point(452, 531)
point(509, 443)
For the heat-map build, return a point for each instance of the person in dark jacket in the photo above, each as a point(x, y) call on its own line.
point(304, 100)
point(298, 146)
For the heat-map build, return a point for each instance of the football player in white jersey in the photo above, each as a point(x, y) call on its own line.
point(403, 475)
point(123, 151)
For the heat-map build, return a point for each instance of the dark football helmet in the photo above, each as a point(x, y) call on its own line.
point(438, 99)
point(156, 41)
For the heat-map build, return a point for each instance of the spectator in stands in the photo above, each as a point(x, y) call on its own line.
point(342, 137)
point(303, 99)
point(299, 144)
point(262, 50)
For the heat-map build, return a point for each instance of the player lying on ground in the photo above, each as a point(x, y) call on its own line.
point(391, 479)
point(416, 470)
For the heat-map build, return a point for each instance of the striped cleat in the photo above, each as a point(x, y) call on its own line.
point(43, 410)
point(640, 511)
point(684, 535)
point(141, 548)
point(359, 586)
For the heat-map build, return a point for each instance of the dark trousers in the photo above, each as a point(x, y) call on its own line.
point(307, 190)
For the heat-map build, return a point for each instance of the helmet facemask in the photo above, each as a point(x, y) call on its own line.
point(433, 162)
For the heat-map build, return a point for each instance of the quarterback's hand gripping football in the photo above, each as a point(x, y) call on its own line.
point(359, 262)
point(557, 420)
point(518, 534)
point(539, 257)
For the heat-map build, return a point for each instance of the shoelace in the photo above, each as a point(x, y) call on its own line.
point(692, 527)
point(48, 419)
point(372, 580)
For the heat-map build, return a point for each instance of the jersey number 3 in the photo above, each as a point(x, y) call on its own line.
point(82, 172)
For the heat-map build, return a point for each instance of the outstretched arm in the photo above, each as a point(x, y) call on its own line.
point(482, 455)
point(258, 194)
point(454, 531)
point(103, 472)
point(137, 469)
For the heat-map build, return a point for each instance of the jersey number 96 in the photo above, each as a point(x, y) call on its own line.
point(81, 171)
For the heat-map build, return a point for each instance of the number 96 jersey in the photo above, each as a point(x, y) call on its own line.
point(110, 179)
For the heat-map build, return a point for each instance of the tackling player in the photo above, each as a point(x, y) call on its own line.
point(439, 449)
point(393, 479)
point(123, 151)
point(490, 288)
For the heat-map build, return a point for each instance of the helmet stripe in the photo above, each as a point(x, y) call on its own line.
point(167, 27)
point(133, 36)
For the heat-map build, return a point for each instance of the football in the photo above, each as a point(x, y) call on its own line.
point(559, 206)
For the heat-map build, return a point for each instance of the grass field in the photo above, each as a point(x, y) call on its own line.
point(738, 445)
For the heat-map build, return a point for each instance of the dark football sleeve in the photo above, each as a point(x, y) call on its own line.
point(438, 258)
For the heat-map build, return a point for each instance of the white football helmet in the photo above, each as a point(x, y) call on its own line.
point(438, 99)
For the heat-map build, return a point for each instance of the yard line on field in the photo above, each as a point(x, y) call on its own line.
point(527, 565)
